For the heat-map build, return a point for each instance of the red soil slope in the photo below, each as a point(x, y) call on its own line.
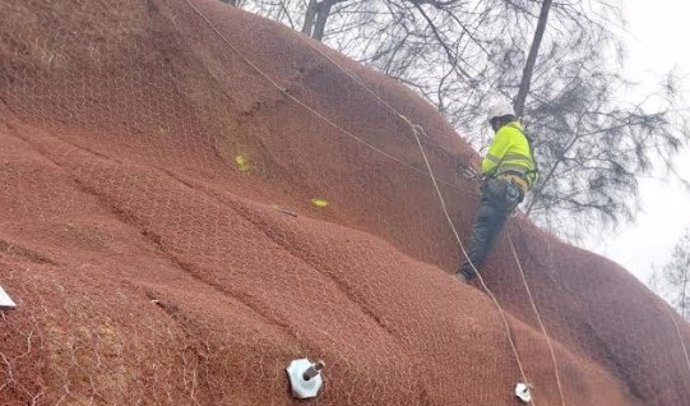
point(149, 269)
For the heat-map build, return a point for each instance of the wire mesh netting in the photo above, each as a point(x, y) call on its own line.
point(193, 196)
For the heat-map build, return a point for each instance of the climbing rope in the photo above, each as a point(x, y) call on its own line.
point(539, 320)
point(501, 312)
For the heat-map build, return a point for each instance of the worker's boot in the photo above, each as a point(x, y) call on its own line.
point(464, 274)
point(461, 277)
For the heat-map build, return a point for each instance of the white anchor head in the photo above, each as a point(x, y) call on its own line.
point(305, 378)
point(6, 301)
point(522, 391)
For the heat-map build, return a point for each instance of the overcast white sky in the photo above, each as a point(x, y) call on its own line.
point(656, 38)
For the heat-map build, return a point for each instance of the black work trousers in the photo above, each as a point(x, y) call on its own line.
point(499, 199)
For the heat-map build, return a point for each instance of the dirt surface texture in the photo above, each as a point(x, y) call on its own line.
point(192, 196)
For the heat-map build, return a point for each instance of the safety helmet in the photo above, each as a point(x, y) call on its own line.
point(500, 110)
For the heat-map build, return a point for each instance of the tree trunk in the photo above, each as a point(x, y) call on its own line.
point(532, 58)
point(309, 17)
point(537, 191)
point(322, 18)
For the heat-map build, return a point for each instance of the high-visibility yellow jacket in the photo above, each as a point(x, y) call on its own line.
point(510, 152)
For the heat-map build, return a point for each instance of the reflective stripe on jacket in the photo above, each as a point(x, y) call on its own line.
point(510, 152)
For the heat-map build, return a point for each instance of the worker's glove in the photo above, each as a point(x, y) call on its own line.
point(513, 195)
point(483, 182)
point(468, 172)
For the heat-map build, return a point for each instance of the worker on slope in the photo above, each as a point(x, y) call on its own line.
point(508, 173)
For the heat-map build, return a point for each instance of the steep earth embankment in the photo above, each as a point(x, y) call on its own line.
point(151, 267)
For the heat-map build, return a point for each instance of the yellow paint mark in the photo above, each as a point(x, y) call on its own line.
point(242, 163)
point(318, 202)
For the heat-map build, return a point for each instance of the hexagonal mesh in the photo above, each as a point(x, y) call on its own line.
point(176, 229)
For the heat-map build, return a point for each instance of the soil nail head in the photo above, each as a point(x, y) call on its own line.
point(313, 370)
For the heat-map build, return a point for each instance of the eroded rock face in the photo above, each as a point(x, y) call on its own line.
point(151, 265)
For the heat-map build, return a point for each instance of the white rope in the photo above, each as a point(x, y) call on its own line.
point(464, 252)
point(539, 319)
